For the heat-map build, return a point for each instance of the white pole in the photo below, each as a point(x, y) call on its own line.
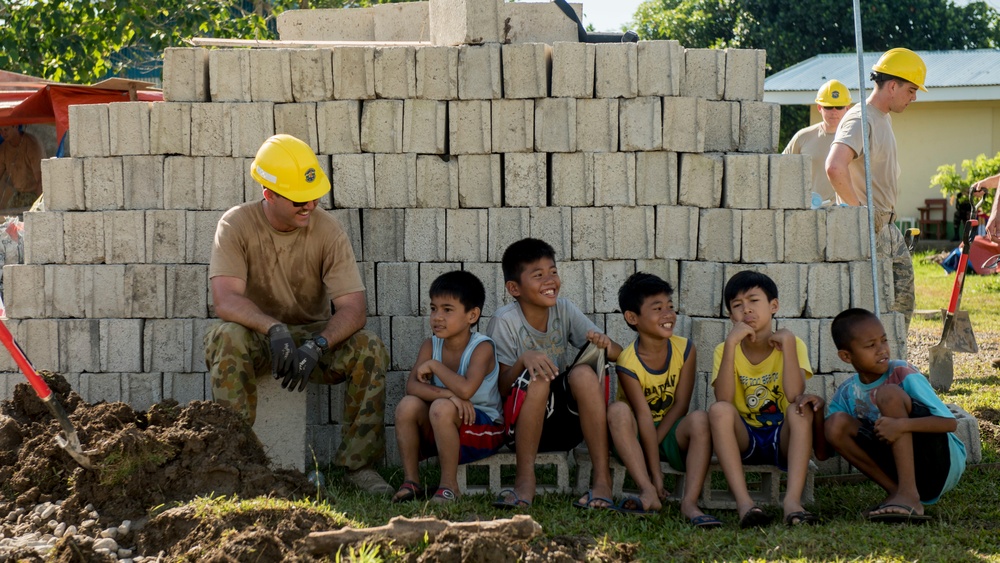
point(864, 136)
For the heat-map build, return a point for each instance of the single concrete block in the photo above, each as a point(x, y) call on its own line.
point(83, 238)
point(424, 235)
point(382, 234)
point(395, 180)
point(368, 277)
point(968, 432)
point(578, 287)
point(43, 237)
point(148, 286)
point(555, 125)
point(395, 72)
point(513, 125)
point(720, 235)
point(759, 127)
point(847, 234)
point(96, 387)
point(142, 390)
point(497, 462)
point(634, 232)
point(425, 126)
point(479, 74)
point(805, 235)
point(312, 74)
point(109, 298)
point(280, 423)
point(350, 222)
point(677, 232)
point(398, 288)
point(465, 22)
point(408, 333)
point(129, 127)
point(525, 179)
point(211, 130)
point(700, 294)
point(62, 179)
point(614, 178)
point(39, 339)
point(185, 291)
point(722, 126)
point(103, 184)
point(507, 225)
point(167, 345)
point(538, 22)
point(641, 124)
point(89, 132)
point(271, 75)
point(745, 74)
point(526, 69)
point(185, 387)
point(591, 226)
point(491, 274)
point(609, 275)
point(353, 180)
point(354, 73)
point(143, 181)
point(428, 273)
point(597, 125)
point(183, 182)
point(67, 289)
point(223, 185)
point(685, 121)
point(120, 348)
point(656, 178)
point(230, 75)
point(382, 126)
point(165, 236)
point(745, 183)
point(22, 297)
point(437, 73)
point(862, 294)
point(345, 24)
point(339, 125)
point(200, 236)
point(616, 70)
point(790, 185)
point(467, 236)
point(407, 21)
point(251, 125)
point(185, 74)
point(896, 332)
point(299, 121)
point(829, 289)
point(437, 181)
point(704, 73)
point(828, 360)
point(469, 127)
point(572, 179)
point(170, 128)
point(573, 69)
point(700, 183)
point(763, 235)
point(479, 177)
point(554, 225)
point(660, 68)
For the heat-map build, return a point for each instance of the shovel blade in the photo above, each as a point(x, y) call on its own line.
point(961, 338)
point(942, 369)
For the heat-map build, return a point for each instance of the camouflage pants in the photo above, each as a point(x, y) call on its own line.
point(236, 356)
point(890, 245)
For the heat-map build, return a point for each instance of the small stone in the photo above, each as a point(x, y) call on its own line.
point(59, 530)
point(49, 511)
point(106, 543)
point(87, 523)
point(110, 533)
point(124, 528)
point(90, 507)
point(70, 530)
point(124, 553)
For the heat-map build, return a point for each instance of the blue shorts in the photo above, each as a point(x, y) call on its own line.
point(765, 445)
point(476, 441)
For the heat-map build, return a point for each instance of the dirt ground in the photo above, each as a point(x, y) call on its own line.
point(170, 455)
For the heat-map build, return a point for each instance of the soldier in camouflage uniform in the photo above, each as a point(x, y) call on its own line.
point(287, 288)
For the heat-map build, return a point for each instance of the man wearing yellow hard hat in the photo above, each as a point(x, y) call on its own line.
point(832, 101)
point(898, 74)
point(278, 267)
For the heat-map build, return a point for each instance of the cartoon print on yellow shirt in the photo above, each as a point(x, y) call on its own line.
point(762, 402)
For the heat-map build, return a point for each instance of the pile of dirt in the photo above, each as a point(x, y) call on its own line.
point(458, 547)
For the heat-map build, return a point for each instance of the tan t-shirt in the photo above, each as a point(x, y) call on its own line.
point(882, 143)
point(291, 276)
point(815, 142)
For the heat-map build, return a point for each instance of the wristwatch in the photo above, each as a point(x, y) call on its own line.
point(321, 342)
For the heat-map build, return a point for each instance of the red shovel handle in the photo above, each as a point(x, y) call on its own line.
point(963, 262)
point(27, 369)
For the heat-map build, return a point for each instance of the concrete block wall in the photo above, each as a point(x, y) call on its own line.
point(623, 157)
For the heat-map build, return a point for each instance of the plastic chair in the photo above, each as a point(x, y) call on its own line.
point(929, 218)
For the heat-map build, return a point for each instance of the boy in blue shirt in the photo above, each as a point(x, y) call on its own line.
point(888, 422)
point(452, 404)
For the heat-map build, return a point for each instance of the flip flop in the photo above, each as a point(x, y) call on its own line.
point(591, 499)
point(508, 499)
point(908, 517)
point(444, 495)
point(633, 505)
point(802, 517)
point(754, 517)
point(407, 491)
point(706, 522)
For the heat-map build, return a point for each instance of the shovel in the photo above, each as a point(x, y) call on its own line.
point(957, 335)
point(67, 439)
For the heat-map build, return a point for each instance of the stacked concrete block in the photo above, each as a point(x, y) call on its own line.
point(401, 22)
point(424, 235)
point(92, 136)
point(677, 232)
point(465, 22)
point(720, 234)
point(297, 120)
point(704, 74)
point(597, 125)
point(271, 75)
point(633, 234)
point(186, 74)
point(524, 179)
point(395, 180)
point(722, 126)
point(467, 238)
point(506, 225)
point(614, 178)
point(805, 235)
point(128, 125)
point(382, 126)
point(789, 181)
point(251, 125)
point(211, 129)
point(312, 74)
point(339, 124)
point(541, 22)
point(169, 128)
point(745, 185)
point(762, 235)
point(572, 179)
point(700, 182)
point(744, 74)
point(656, 178)
point(513, 125)
point(616, 70)
point(526, 69)
point(660, 68)
point(103, 183)
point(479, 72)
point(470, 127)
point(437, 181)
point(701, 286)
point(862, 294)
point(847, 234)
point(829, 289)
point(63, 181)
point(554, 225)
point(346, 24)
point(437, 73)
point(395, 72)
point(230, 75)
point(479, 178)
point(759, 126)
point(555, 125)
point(685, 121)
point(641, 123)
point(425, 126)
point(573, 69)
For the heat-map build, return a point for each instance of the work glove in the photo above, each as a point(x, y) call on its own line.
point(306, 358)
point(282, 351)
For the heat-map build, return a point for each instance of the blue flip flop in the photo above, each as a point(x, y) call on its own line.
point(706, 521)
point(508, 499)
point(591, 499)
point(633, 505)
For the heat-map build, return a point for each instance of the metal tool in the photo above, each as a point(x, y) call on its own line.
point(67, 439)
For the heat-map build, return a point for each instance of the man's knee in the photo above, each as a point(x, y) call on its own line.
point(225, 339)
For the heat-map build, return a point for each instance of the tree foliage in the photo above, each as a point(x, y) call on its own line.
point(955, 185)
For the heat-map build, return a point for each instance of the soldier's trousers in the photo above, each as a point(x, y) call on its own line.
point(236, 356)
point(890, 245)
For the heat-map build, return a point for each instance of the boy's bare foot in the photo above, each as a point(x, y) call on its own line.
point(899, 504)
point(691, 511)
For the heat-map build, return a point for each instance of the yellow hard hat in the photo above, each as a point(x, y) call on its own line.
point(288, 167)
point(905, 64)
point(833, 93)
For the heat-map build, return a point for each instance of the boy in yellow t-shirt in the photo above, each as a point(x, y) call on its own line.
point(759, 378)
point(649, 421)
